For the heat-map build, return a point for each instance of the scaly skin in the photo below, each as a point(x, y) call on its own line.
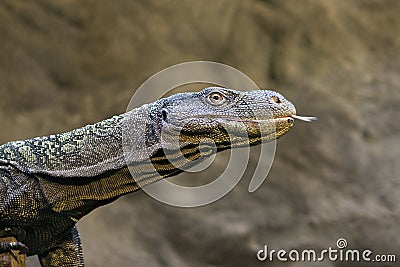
point(48, 183)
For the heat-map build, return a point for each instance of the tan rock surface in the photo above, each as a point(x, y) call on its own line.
point(67, 63)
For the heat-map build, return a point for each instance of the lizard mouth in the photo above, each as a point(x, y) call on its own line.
point(289, 119)
point(270, 128)
point(253, 128)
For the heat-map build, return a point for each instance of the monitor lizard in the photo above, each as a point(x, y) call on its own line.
point(48, 183)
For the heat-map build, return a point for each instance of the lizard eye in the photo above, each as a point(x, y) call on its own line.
point(216, 99)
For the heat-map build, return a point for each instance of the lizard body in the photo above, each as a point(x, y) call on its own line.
point(48, 183)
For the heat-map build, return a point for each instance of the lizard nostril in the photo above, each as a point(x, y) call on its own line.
point(276, 99)
point(290, 120)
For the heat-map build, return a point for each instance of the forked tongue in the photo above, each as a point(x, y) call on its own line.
point(304, 118)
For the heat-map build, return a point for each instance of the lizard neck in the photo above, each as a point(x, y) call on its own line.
point(88, 167)
point(85, 152)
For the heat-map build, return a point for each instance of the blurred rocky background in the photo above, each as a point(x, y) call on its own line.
point(67, 63)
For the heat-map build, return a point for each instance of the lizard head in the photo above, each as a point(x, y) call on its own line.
point(184, 129)
point(226, 117)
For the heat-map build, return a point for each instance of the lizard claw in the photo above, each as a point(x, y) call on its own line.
point(9, 246)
